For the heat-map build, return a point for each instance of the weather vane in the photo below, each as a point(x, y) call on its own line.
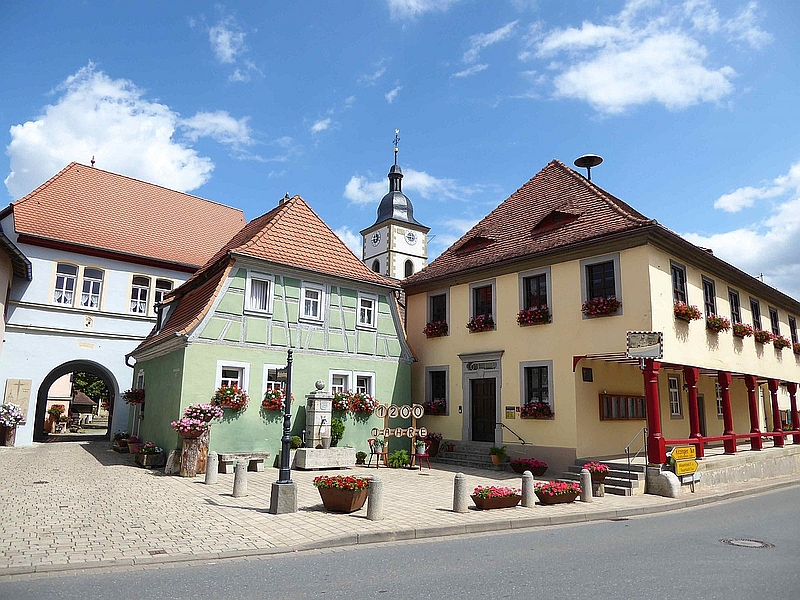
point(396, 141)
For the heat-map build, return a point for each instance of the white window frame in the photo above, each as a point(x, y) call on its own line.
point(242, 367)
point(370, 388)
point(315, 287)
point(347, 375)
point(429, 387)
point(66, 277)
point(617, 278)
point(523, 381)
point(373, 321)
point(270, 280)
point(271, 384)
point(675, 400)
point(139, 288)
point(160, 292)
point(94, 284)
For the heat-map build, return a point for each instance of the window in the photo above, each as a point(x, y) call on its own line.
point(774, 321)
point(340, 382)
point(675, 405)
point(536, 389)
point(736, 311)
point(66, 275)
point(600, 280)
point(230, 373)
point(482, 300)
point(709, 297)
point(793, 329)
point(678, 283)
point(163, 287)
point(231, 377)
point(619, 407)
point(139, 291)
point(366, 311)
point(718, 390)
point(258, 292)
point(376, 266)
point(92, 286)
point(271, 381)
point(535, 291)
point(437, 307)
point(409, 268)
point(755, 310)
point(436, 390)
point(364, 384)
point(311, 302)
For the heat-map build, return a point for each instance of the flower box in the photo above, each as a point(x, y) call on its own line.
point(779, 342)
point(533, 316)
point(230, 397)
point(151, 461)
point(762, 337)
point(536, 467)
point(564, 498)
point(435, 407)
point(796, 348)
point(273, 400)
point(741, 330)
point(536, 410)
point(133, 396)
point(480, 323)
point(686, 312)
point(490, 503)
point(717, 324)
point(597, 470)
point(600, 307)
point(435, 329)
point(557, 492)
point(342, 493)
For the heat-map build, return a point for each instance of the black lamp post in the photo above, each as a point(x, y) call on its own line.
point(285, 475)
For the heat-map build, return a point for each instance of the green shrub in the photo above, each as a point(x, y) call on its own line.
point(399, 459)
point(337, 430)
point(296, 441)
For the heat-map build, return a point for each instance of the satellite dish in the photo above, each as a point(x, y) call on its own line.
point(588, 161)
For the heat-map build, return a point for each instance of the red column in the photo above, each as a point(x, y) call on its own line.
point(777, 427)
point(724, 379)
point(692, 375)
point(750, 382)
point(792, 388)
point(656, 445)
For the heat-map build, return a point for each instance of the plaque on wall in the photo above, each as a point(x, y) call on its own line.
point(18, 391)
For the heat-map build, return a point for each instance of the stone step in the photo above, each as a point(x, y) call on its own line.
point(613, 473)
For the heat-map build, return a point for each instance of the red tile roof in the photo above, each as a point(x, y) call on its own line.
point(556, 208)
point(290, 235)
point(97, 209)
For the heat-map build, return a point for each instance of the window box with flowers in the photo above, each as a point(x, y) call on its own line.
point(435, 407)
point(686, 312)
point(435, 329)
point(362, 404)
point(762, 336)
point(533, 316)
point(779, 342)
point(480, 323)
point(536, 410)
point(717, 324)
point(741, 330)
point(341, 402)
point(230, 397)
point(601, 307)
point(796, 348)
point(274, 399)
point(133, 396)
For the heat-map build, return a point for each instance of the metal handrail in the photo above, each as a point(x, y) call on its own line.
point(642, 431)
point(512, 431)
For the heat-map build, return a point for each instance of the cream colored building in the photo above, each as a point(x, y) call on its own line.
point(558, 242)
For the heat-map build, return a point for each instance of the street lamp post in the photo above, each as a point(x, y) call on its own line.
point(283, 496)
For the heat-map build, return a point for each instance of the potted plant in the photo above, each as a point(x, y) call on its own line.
point(55, 412)
point(762, 336)
point(686, 312)
point(342, 493)
point(536, 467)
point(203, 412)
point(490, 496)
point(557, 492)
point(433, 440)
point(420, 447)
point(133, 396)
point(449, 447)
point(362, 404)
point(533, 316)
point(10, 417)
point(230, 396)
point(742, 330)
point(717, 324)
point(273, 400)
point(601, 307)
point(779, 342)
point(796, 348)
point(337, 430)
point(480, 323)
point(597, 470)
point(361, 457)
point(378, 444)
point(189, 428)
point(435, 329)
point(435, 407)
point(120, 441)
point(150, 456)
point(498, 454)
point(133, 444)
point(536, 410)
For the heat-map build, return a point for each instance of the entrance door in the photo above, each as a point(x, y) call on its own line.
point(484, 405)
point(701, 413)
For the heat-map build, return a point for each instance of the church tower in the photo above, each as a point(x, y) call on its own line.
point(396, 244)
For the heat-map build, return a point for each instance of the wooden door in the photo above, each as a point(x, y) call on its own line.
point(484, 409)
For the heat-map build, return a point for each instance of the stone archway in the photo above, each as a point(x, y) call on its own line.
point(70, 367)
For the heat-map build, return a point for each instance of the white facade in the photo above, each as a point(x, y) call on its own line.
point(394, 249)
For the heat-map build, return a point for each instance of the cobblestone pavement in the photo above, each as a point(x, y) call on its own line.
point(81, 505)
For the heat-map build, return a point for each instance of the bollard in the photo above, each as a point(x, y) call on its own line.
point(460, 494)
point(586, 485)
point(212, 468)
point(528, 493)
point(375, 500)
point(240, 477)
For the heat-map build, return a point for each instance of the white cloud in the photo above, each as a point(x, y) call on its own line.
point(650, 52)
point(392, 94)
point(479, 41)
point(746, 196)
point(360, 190)
point(351, 239)
point(471, 70)
point(321, 125)
point(372, 78)
point(227, 40)
point(404, 9)
point(94, 115)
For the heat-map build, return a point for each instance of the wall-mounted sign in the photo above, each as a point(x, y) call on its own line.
point(645, 344)
point(392, 411)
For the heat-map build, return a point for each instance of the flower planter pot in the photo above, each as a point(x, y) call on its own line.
point(133, 447)
point(150, 461)
point(521, 468)
point(345, 501)
point(433, 448)
point(8, 435)
point(489, 503)
point(496, 459)
point(598, 477)
point(558, 499)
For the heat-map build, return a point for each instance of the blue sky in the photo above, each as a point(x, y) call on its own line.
point(692, 105)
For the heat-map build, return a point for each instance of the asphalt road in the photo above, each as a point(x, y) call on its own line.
point(675, 555)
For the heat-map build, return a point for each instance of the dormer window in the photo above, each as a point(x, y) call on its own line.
point(478, 242)
point(554, 220)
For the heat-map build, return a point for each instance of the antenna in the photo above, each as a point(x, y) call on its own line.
point(588, 161)
point(396, 141)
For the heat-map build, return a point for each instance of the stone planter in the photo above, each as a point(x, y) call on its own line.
point(344, 501)
point(546, 499)
point(489, 503)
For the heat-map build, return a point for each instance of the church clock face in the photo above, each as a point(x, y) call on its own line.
point(376, 238)
point(411, 237)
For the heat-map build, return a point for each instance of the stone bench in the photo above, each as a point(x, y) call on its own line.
point(227, 461)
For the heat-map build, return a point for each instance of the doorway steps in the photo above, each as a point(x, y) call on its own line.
point(619, 481)
point(469, 454)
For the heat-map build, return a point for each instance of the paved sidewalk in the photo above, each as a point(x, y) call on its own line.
point(81, 505)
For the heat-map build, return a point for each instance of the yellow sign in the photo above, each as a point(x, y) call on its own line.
point(684, 452)
point(685, 467)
